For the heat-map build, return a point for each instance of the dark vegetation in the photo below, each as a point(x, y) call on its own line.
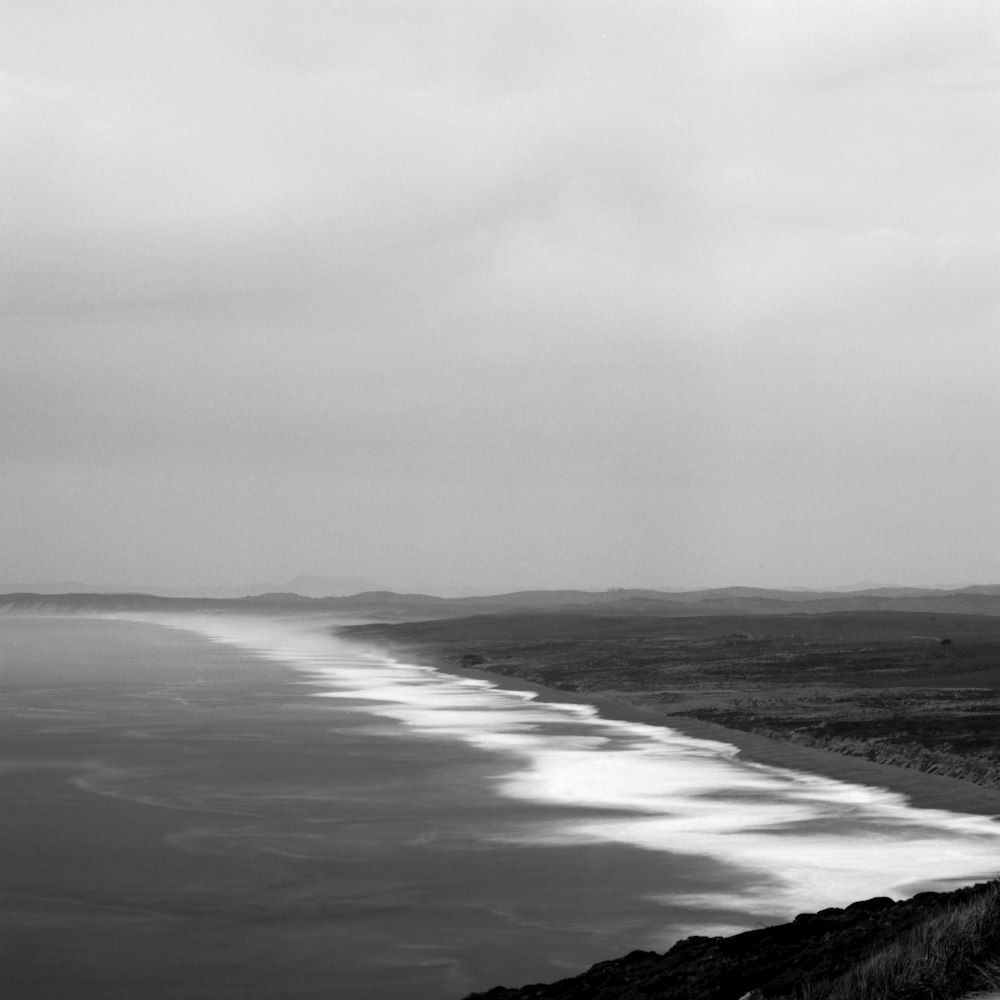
point(935, 946)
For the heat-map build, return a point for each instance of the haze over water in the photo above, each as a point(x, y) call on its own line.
point(282, 811)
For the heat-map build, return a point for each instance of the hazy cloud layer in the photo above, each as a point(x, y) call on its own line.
point(500, 294)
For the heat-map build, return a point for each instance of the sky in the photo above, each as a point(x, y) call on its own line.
point(499, 295)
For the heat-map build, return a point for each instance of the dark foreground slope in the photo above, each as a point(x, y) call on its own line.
point(936, 946)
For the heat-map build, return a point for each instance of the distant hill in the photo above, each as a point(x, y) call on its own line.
point(328, 586)
point(389, 606)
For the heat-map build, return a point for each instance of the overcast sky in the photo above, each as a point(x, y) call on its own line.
point(500, 294)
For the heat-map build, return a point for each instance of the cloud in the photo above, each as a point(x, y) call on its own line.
point(656, 254)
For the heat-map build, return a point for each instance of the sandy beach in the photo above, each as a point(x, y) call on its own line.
point(927, 791)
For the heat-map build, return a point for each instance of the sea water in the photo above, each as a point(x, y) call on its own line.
point(238, 807)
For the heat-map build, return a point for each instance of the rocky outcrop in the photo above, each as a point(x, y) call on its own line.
point(785, 961)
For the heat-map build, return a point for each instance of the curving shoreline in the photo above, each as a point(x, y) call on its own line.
point(929, 791)
point(815, 952)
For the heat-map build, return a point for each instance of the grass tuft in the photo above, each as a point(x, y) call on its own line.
point(945, 957)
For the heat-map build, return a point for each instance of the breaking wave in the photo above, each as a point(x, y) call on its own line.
point(812, 840)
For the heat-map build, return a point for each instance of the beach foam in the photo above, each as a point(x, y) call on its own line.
point(810, 841)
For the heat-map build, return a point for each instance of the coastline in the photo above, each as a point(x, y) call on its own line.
point(922, 790)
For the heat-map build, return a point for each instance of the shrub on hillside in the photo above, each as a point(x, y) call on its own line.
point(943, 958)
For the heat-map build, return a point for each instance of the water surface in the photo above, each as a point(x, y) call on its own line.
point(243, 807)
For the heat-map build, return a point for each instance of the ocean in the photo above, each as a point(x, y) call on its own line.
point(242, 807)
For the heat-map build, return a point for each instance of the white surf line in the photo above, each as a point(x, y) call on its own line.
point(812, 841)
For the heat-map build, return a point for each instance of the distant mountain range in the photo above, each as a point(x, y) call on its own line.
point(387, 606)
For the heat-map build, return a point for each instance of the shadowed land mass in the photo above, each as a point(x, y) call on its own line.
point(935, 946)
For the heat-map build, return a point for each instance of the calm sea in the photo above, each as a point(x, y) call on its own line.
point(236, 807)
